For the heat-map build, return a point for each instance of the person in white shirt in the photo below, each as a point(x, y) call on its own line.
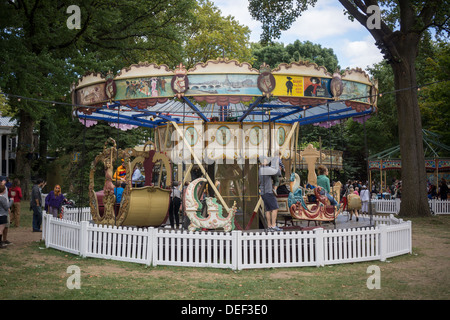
point(137, 178)
point(365, 195)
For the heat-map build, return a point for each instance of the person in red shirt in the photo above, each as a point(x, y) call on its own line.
point(15, 192)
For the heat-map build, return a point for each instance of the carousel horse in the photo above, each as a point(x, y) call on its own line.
point(320, 210)
point(214, 218)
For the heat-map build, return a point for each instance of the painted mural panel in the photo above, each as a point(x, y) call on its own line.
point(287, 85)
point(91, 94)
point(355, 91)
point(223, 84)
point(317, 87)
point(138, 88)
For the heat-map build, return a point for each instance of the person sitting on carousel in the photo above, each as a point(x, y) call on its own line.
point(121, 172)
point(324, 182)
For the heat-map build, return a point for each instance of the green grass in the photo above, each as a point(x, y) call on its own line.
point(34, 272)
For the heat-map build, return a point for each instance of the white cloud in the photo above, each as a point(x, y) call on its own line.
point(325, 20)
point(360, 53)
point(325, 24)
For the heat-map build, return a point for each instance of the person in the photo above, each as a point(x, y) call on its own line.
point(118, 190)
point(54, 201)
point(276, 177)
point(36, 204)
point(174, 206)
point(365, 197)
point(266, 189)
point(324, 182)
point(121, 172)
point(314, 89)
point(8, 222)
point(186, 222)
point(443, 189)
point(353, 203)
point(137, 178)
point(5, 205)
point(15, 192)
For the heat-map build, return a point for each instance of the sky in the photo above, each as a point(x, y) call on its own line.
point(323, 24)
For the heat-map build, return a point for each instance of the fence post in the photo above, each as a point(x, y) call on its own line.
point(83, 236)
point(410, 235)
point(383, 242)
point(397, 205)
point(150, 231)
point(319, 247)
point(154, 243)
point(44, 227)
point(47, 232)
point(236, 244)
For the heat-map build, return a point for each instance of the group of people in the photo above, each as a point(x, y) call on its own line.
point(9, 208)
point(273, 167)
point(53, 203)
point(441, 193)
point(10, 199)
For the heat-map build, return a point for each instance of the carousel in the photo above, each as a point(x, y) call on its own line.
point(212, 123)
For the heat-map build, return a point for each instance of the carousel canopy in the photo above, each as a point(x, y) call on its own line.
point(150, 95)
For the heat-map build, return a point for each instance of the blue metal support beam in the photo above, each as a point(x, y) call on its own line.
point(195, 109)
point(327, 118)
point(250, 108)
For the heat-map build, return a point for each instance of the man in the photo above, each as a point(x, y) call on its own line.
point(266, 189)
point(36, 204)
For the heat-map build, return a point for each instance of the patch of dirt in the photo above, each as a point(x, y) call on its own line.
point(23, 236)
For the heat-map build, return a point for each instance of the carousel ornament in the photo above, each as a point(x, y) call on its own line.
point(214, 218)
point(180, 82)
point(336, 85)
point(110, 87)
point(266, 81)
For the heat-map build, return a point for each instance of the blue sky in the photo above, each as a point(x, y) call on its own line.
point(324, 24)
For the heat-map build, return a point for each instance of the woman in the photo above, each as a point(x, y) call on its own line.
point(53, 201)
point(5, 204)
point(15, 192)
point(324, 182)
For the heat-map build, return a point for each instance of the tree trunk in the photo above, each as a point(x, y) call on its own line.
point(414, 182)
point(24, 148)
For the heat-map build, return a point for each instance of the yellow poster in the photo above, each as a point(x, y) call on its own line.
point(288, 86)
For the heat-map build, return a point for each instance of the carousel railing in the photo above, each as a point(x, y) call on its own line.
point(236, 250)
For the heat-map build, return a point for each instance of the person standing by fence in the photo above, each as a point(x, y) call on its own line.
point(15, 192)
point(36, 204)
point(175, 203)
point(54, 201)
point(5, 204)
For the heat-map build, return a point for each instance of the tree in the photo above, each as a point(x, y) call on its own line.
point(210, 36)
point(41, 56)
point(401, 24)
point(276, 53)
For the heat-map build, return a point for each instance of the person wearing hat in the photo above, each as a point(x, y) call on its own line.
point(121, 172)
point(365, 196)
point(289, 85)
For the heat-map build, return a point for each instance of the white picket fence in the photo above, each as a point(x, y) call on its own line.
point(393, 206)
point(236, 250)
